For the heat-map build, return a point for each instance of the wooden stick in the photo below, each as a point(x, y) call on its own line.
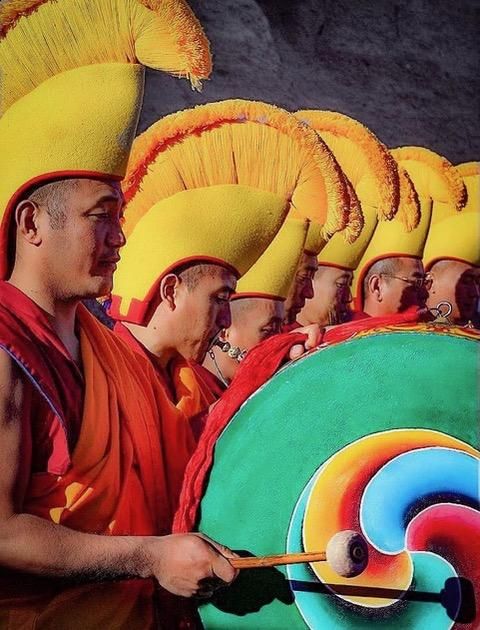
point(273, 561)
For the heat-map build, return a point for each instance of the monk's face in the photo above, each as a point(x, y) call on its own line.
point(399, 290)
point(404, 290)
point(302, 287)
point(458, 283)
point(80, 251)
point(331, 297)
point(253, 320)
point(201, 311)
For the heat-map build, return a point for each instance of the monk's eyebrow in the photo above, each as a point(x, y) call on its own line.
point(107, 199)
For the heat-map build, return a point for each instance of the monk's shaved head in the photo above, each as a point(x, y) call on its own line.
point(53, 197)
point(385, 266)
point(193, 274)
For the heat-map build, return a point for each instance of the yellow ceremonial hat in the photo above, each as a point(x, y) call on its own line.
point(197, 231)
point(457, 236)
point(339, 251)
point(237, 142)
point(368, 166)
point(72, 84)
point(404, 236)
point(438, 183)
point(273, 273)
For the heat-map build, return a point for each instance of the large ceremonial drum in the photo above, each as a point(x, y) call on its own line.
point(377, 434)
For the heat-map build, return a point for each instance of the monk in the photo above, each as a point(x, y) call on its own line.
point(192, 307)
point(330, 304)
point(457, 283)
point(393, 285)
point(258, 305)
point(252, 321)
point(93, 452)
point(452, 257)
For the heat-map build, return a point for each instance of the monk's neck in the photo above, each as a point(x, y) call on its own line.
point(156, 343)
point(373, 309)
point(60, 312)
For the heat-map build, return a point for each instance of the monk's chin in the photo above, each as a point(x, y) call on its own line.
point(99, 286)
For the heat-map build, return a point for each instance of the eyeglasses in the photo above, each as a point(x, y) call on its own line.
point(419, 283)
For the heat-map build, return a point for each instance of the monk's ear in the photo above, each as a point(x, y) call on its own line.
point(430, 279)
point(169, 286)
point(375, 287)
point(27, 221)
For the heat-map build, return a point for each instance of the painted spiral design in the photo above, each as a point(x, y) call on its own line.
point(414, 495)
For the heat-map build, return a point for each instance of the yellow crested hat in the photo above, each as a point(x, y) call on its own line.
point(193, 222)
point(457, 236)
point(72, 84)
point(438, 183)
point(404, 236)
point(273, 273)
point(368, 166)
point(237, 142)
point(339, 251)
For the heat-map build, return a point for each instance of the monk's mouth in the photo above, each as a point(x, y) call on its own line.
point(109, 266)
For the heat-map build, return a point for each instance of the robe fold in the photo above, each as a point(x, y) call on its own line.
point(192, 388)
point(109, 459)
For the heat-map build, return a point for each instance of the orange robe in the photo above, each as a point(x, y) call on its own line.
point(192, 388)
point(120, 476)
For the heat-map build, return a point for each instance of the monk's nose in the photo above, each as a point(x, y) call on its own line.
point(224, 319)
point(116, 237)
point(308, 290)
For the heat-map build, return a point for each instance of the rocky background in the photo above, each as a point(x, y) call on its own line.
point(408, 69)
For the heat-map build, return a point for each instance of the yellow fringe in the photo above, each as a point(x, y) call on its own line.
point(468, 169)
point(12, 10)
point(225, 143)
point(355, 216)
point(449, 173)
point(166, 37)
point(193, 44)
point(383, 167)
point(409, 211)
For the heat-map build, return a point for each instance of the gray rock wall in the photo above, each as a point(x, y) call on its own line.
point(408, 69)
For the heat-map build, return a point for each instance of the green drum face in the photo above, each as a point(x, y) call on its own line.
point(377, 435)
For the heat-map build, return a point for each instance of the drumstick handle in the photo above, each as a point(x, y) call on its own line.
point(259, 562)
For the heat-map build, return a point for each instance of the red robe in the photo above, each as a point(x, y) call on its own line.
point(192, 388)
point(105, 452)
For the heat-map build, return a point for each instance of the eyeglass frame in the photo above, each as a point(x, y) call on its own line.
point(418, 283)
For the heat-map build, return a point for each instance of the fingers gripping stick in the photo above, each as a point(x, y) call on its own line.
point(346, 553)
